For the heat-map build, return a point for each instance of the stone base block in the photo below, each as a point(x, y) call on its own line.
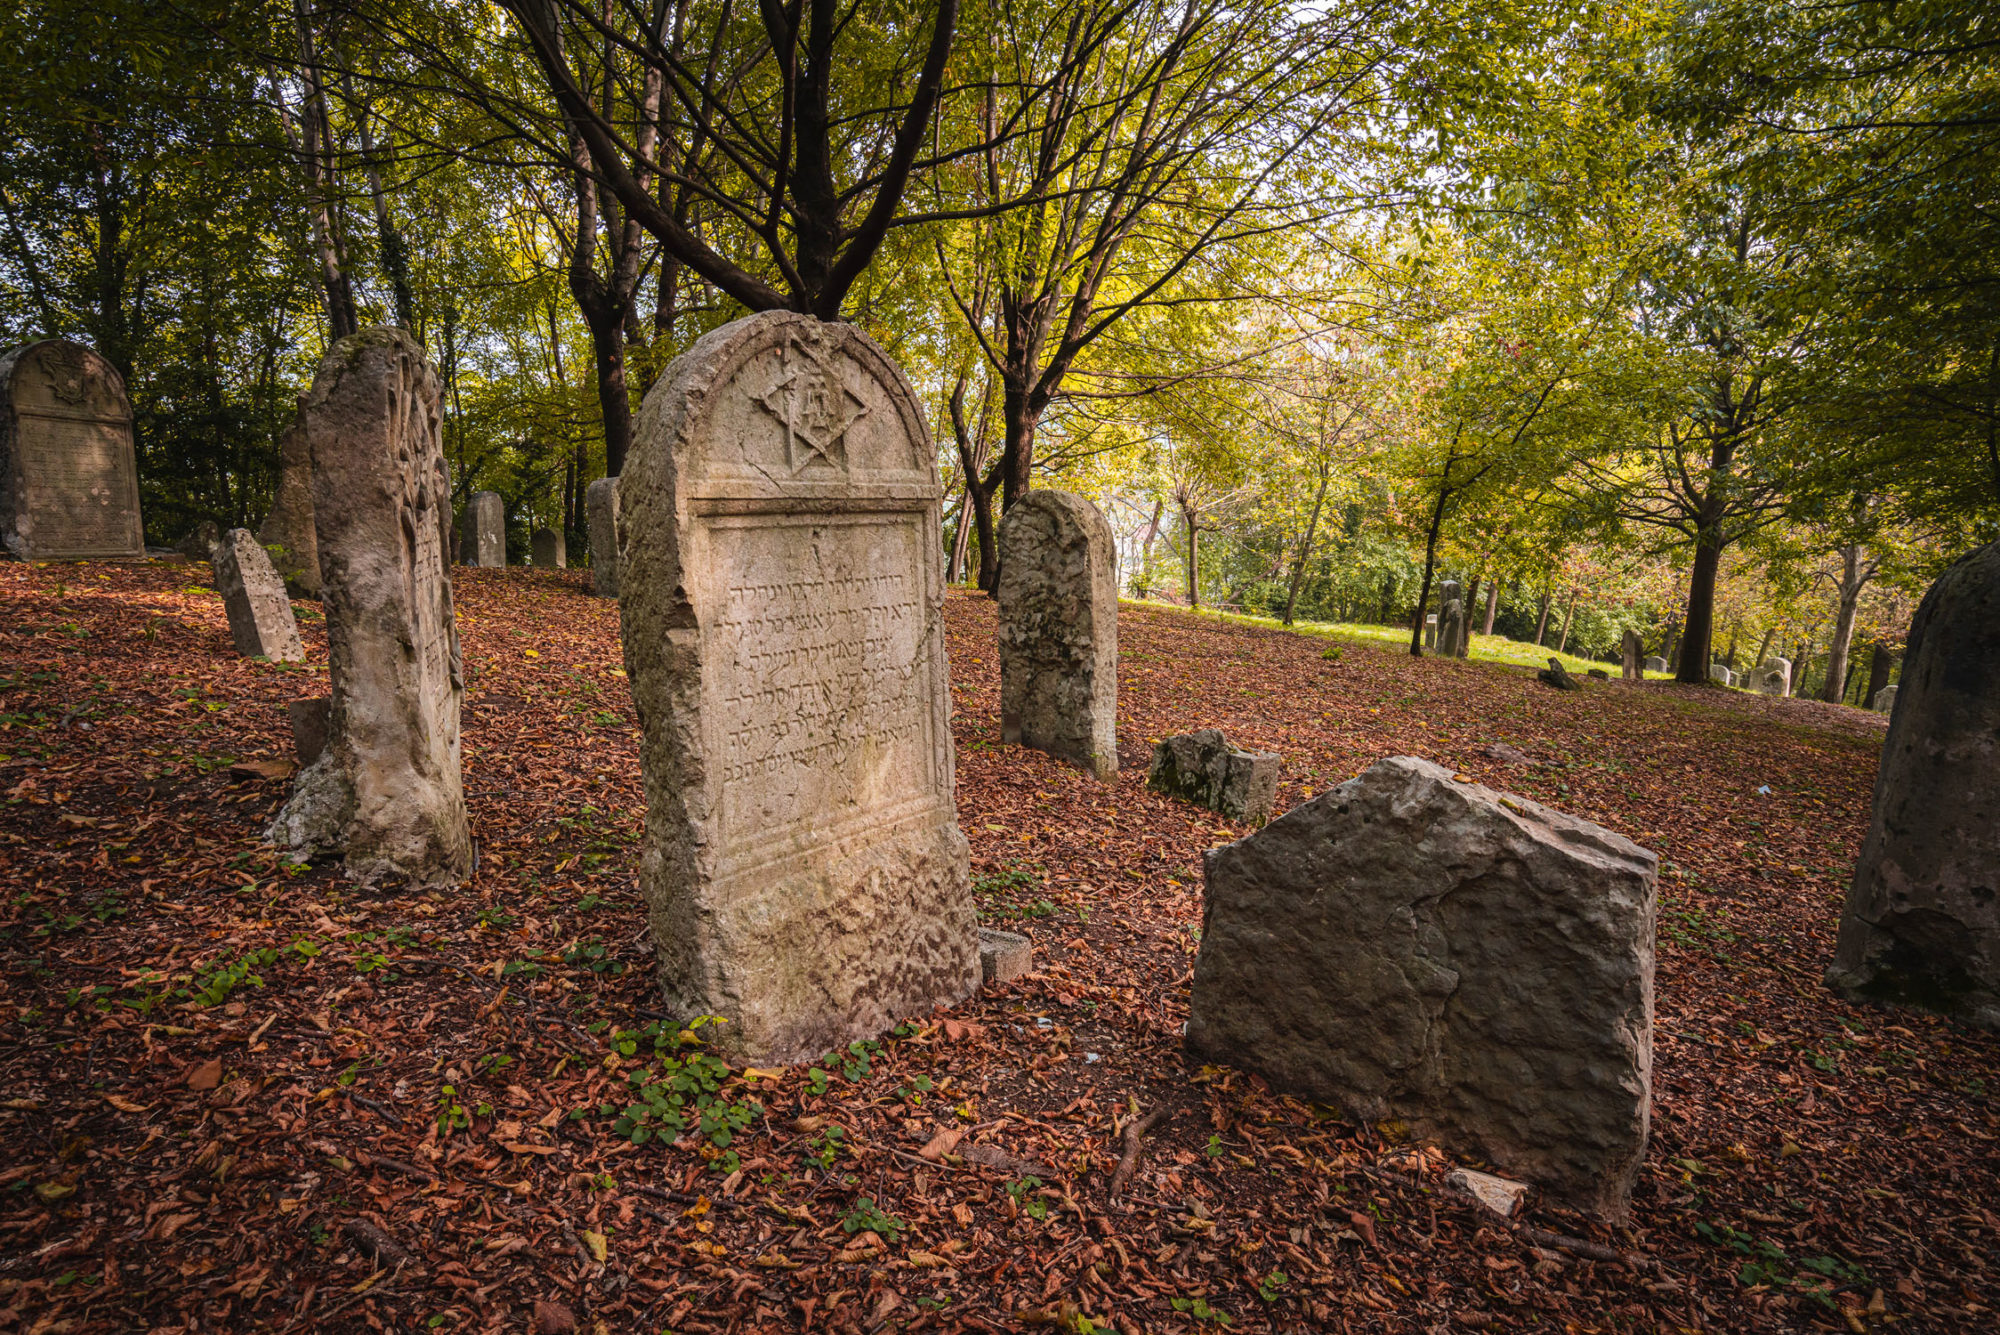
point(1004, 956)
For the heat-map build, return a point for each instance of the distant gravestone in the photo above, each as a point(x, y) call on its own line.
point(1773, 677)
point(69, 484)
point(260, 613)
point(1203, 768)
point(781, 603)
point(1058, 601)
point(1656, 664)
point(483, 531)
point(385, 791)
point(1431, 631)
point(1407, 946)
point(1885, 700)
point(1630, 651)
point(288, 532)
point(1598, 674)
point(601, 500)
point(1717, 672)
point(1922, 921)
point(550, 549)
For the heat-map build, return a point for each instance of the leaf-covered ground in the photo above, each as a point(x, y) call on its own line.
point(238, 1097)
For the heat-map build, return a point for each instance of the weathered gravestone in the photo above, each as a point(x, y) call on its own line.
point(1922, 923)
point(1657, 664)
point(1058, 600)
point(781, 602)
point(69, 484)
point(260, 613)
point(1773, 677)
point(288, 531)
point(1557, 676)
point(1478, 966)
point(601, 500)
point(1717, 672)
point(1885, 700)
point(1431, 631)
point(1203, 768)
point(1451, 620)
point(1630, 651)
point(549, 549)
point(483, 531)
point(385, 791)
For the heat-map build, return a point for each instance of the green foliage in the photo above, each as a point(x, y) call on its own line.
point(865, 1217)
point(678, 1091)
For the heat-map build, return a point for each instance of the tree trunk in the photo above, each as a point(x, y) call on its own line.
point(1464, 646)
point(1492, 606)
point(1542, 621)
point(1562, 645)
point(607, 343)
point(1879, 664)
point(1764, 649)
point(1305, 546)
point(1145, 586)
point(1017, 448)
point(1699, 620)
point(1430, 558)
point(1852, 581)
point(1193, 557)
point(961, 543)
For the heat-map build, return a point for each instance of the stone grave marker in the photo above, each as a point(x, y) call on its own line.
point(1922, 921)
point(1885, 700)
point(385, 791)
point(1431, 631)
point(1657, 664)
point(1414, 947)
point(287, 532)
point(483, 531)
point(1773, 677)
point(1004, 956)
point(550, 549)
point(1203, 768)
point(260, 612)
point(1717, 672)
point(1630, 651)
point(781, 603)
point(601, 500)
point(69, 483)
point(1058, 601)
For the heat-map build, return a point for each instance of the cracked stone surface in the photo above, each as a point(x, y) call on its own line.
point(1058, 600)
point(1466, 961)
point(1206, 769)
point(1922, 921)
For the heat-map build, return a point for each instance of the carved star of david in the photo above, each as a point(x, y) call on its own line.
point(816, 407)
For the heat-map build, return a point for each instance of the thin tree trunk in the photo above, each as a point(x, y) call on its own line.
point(1853, 579)
point(314, 142)
point(395, 251)
point(1464, 646)
point(1492, 606)
point(1562, 645)
point(1542, 621)
point(1193, 557)
point(1305, 545)
point(1430, 558)
point(1764, 649)
point(1698, 623)
point(1145, 588)
point(1879, 664)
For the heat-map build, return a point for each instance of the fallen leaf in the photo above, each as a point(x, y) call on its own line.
point(206, 1076)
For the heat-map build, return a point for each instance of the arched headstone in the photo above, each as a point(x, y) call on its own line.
point(69, 484)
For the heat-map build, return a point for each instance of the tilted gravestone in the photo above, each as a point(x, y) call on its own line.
point(287, 532)
point(1630, 651)
point(601, 500)
point(1203, 768)
point(1922, 922)
point(1058, 600)
point(550, 549)
point(385, 792)
point(483, 531)
point(781, 604)
point(1411, 946)
point(69, 483)
point(260, 613)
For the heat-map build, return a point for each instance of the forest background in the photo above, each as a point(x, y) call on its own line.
point(1675, 318)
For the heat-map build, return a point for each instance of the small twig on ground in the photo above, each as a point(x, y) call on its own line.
point(1589, 1251)
point(375, 1240)
point(1133, 1131)
point(382, 1108)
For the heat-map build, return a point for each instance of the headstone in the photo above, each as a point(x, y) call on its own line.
point(1453, 639)
point(781, 601)
point(1773, 677)
point(1471, 963)
point(199, 543)
point(1556, 675)
point(1885, 700)
point(1630, 651)
point(550, 549)
point(601, 499)
point(260, 613)
point(1058, 600)
point(1717, 672)
point(1203, 768)
point(1922, 922)
point(287, 532)
point(385, 792)
point(1004, 956)
point(69, 484)
point(1431, 631)
point(1656, 664)
point(483, 531)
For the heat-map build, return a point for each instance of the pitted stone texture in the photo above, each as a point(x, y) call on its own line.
point(260, 613)
point(1004, 956)
point(385, 793)
point(288, 532)
point(550, 549)
point(601, 500)
point(1203, 768)
point(69, 482)
point(1772, 677)
point(483, 531)
point(781, 603)
point(1407, 946)
point(1922, 923)
point(1058, 600)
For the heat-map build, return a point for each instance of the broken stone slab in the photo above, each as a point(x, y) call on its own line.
point(1203, 768)
point(1469, 962)
point(1598, 674)
point(311, 720)
point(1922, 921)
point(199, 543)
point(483, 531)
point(1058, 600)
point(1431, 631)
point(385, 793)
point(601, 501)
point(287, 532)
point(549, 549)
point(260, 612)
point(1557, 676)
point(781, 603)
point(1502, 1196)
point(1004, 956)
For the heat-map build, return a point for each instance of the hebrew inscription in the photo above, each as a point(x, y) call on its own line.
point(69, 486)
